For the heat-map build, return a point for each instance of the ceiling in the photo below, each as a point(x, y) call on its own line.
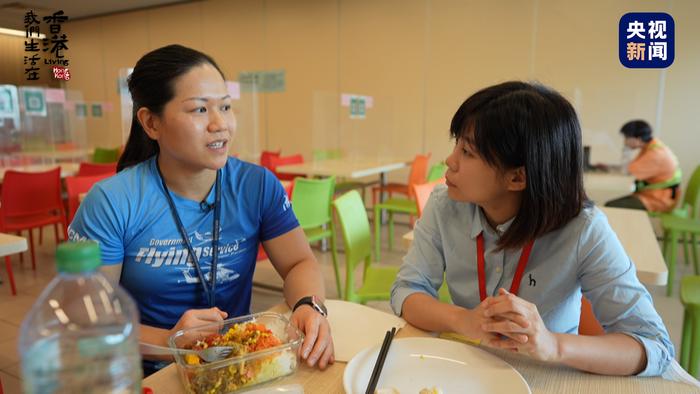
point(12, 11)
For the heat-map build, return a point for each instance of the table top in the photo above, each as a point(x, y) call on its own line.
point(11, 244)
point(346, 167)
point(67, 169)
point(69, 154)
point(636, 234)
point(605, 186)
point(542, 378)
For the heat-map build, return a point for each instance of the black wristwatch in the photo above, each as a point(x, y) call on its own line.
point(314, 302)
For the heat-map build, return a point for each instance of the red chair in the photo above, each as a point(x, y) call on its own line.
point(419, 170)
point(265, 157)
point(76, 185)
point(32, 200)
point(278, 161)
point(90, 169)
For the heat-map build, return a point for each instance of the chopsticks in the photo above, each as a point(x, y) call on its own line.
point(372, 385)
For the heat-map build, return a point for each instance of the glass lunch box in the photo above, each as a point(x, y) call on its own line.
point(242, 369)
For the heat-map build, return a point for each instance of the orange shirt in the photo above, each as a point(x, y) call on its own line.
point(654, 164)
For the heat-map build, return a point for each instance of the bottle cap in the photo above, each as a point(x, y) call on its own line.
point(78, 257)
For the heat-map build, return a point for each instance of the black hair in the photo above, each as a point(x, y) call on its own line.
point(517, 124)
point(637, 129)
point(152, 85)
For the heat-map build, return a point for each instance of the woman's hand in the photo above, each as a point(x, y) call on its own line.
point(318, 344)
point(470, 323)
point(521, 325)
point(199, 317)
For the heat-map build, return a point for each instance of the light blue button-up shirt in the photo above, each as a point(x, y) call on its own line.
point(585, 256)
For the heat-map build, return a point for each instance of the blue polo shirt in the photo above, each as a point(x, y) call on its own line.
point(129, 216)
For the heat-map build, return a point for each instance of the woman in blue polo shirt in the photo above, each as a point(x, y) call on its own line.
point(179, 225)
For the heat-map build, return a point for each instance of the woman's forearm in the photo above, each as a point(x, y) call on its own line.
point(304, 279)
point(609, 354)
point(154, 336)
point(427, 313)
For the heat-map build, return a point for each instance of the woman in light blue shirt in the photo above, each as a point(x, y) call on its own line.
point(519, 243)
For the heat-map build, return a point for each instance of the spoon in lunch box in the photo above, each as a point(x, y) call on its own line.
point(210, 354)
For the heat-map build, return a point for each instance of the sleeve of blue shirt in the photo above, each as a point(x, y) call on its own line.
point(423, 267)
point(277, 215)
point(620, 302)
point(99, 220)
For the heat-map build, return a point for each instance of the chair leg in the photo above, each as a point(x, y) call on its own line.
point(55, 232)
point(686, 338)
point(336, 268)
point(686, 255)
point(671, 262)
point(10, 276)
point(21, 255)
point(31, 249)
point(696, 263)
point(694, 352)
point(391, 230)
point(377, 231)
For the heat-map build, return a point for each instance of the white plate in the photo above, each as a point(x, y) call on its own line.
point(417, 363)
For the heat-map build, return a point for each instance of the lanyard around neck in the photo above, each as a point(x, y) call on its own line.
point(522, 262)
point(209, 288)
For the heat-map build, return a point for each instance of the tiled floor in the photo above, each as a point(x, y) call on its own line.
point(31, 283)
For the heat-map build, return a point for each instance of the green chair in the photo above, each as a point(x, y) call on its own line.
point(690, 339)
point(674, 227)
point(311, 202)
point(673, 233)
point(325, 154)
point(103, 155)
point(436, 171)
point(376, 281)
point(392, 205)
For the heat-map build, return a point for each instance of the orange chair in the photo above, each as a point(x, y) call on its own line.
point(588, 324)
point(419, 170)
point(32, 200)
point(75, 185)
point(422, 192)
point(279, 160)
point(265, 157)
point(90, 169)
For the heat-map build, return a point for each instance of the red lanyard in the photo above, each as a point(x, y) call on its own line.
point(515, 285)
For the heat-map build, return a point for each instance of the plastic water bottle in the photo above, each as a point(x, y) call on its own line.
point(81, 335)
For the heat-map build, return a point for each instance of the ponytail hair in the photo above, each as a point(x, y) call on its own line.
point(152, 85)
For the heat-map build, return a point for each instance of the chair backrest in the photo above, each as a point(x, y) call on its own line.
point(357, 239)
point(422, 192)
point(419, 169)
point(588, 324)
point(278, 161)
point(325, 154)
point(311, 201)
point(692, 193)
point(105, 155)
point(31, 193)
point(76, 185)
point(89, 169)
point(436, 171)
point(265, 158)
